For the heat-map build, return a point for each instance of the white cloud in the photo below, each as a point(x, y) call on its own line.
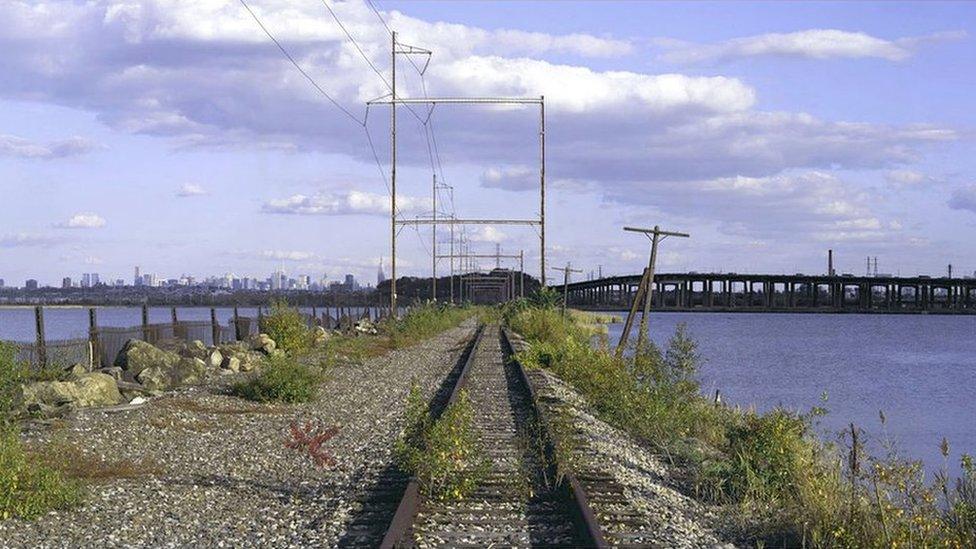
point(911, 178)
point(345, 203)
point(515, 178)
point(19, 147)
point(83, 221)
point(810, 44)
point(280, 255)
point(488, 234)
point(190, 189)
point(24, 240)
point(964, 198)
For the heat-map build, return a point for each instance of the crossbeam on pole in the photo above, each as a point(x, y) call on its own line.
point(458, 101)
point(449, 221)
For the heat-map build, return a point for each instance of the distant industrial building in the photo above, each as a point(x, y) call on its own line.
point(66, 282)
point(31, 284)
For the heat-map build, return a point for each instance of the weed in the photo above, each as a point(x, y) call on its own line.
point(444, 455)
point(28, 488)
point(308, 439)
point(288, 328)
point(282, 379)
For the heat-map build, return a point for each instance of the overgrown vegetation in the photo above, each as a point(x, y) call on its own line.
point(422, 321)
point(443, 454)
point(282, 380)
point(779, 481)
point(425, 320)
point(288, 328)
point(28, 488)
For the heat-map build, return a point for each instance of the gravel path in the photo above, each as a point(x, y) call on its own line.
point(217, 472)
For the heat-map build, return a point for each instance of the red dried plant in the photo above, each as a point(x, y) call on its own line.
point(309, 439)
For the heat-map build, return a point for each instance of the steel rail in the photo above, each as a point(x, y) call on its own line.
point(585, 516)
point(409, 505)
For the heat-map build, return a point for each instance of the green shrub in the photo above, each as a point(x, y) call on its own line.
point(445, 454)
point(282, 380)
point(288, 328)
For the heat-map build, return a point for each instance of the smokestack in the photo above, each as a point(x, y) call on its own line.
point(830, 262)
point(950, 270)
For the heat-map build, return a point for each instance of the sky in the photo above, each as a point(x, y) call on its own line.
point(176, 136)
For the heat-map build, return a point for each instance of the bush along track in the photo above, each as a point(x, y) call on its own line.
point(769, 476)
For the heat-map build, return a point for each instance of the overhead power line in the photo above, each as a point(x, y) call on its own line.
point(299, 67)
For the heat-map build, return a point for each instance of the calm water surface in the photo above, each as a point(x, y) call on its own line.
point(17, 323)
point(920, 370)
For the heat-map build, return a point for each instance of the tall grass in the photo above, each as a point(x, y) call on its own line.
point(777, 481)
point(28, 488)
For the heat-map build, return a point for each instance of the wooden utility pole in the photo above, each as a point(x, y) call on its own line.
point(645, 289)
point(566, 270)
point(393, 166)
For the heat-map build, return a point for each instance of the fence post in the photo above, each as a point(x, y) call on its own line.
point(176, 322)
point(41, 344)
point(214, 327)
point(96, 351)
point(145, 323)
point(237, 325)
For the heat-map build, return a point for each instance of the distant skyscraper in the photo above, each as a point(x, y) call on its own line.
point(31, 284)
point(380, 275)
point(137, 280)
point(86, 281)
point(95, 280)
point(1, 283)
point(66, 282)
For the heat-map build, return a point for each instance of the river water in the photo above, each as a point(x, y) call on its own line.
point(17, 323)
point(919, 370)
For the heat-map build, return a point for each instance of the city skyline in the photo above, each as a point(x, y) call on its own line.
point(762, 136)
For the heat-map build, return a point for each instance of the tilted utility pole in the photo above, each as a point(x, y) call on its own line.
point(645, 289)
point(566, 270)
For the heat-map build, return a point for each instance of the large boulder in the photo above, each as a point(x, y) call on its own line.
point(232, 363)
point(138, 355)
point(195, 349)
point(263, 343)
point(88, 389)
point(215, 358)
point(186, 371)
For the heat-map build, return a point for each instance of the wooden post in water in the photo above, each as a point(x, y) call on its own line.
point(176, 321)
point(237, 324)
point(40, 340)
point(145, 323)
point(214, 327)
point(96, 352)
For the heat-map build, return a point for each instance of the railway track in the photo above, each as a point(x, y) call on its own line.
point(520, 503)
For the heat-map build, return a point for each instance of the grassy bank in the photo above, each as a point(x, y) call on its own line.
point(769, 474)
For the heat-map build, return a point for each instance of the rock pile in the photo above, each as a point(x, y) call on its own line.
point(142, 370)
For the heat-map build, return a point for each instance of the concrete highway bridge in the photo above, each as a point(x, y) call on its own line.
point(727, 292)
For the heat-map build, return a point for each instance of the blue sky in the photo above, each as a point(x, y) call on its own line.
point(174, 136)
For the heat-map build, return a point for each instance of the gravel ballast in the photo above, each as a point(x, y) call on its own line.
point(213, 470)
